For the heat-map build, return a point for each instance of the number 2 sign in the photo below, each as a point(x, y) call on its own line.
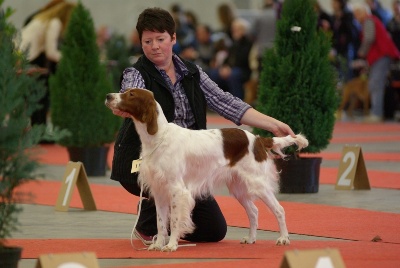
point(352, 172)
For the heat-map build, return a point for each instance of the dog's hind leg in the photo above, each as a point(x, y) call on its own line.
point(252, 211)
point(270, 200)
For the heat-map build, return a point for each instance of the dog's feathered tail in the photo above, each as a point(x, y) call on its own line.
point(283, 142)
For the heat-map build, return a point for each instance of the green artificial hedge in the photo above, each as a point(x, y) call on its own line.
point(79, 87)
point(297, 81)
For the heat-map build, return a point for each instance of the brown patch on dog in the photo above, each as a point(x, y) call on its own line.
point(261, 145)
point(235, 144)
point(140, 103)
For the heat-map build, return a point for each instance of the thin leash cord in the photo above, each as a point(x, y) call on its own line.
point(137, 218)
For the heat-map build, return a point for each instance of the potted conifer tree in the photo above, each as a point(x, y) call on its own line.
point(77, 93)
point(19, 96)
point(117, 54)
point(298, 87)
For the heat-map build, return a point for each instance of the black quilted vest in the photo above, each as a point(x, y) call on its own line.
point(127, 144)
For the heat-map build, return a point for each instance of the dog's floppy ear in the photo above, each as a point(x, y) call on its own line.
point(150, 113)
point(150, 118)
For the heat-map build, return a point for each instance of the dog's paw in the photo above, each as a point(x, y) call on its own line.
point(247, 240)
point(154, 247)
point(170, 247)
point(283, 240)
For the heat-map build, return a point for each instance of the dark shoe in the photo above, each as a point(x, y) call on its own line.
point(146, 240)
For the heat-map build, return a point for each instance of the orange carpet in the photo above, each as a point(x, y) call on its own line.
point(58, 155)
point(308, 219)
point(320, 220)
point(261, 254)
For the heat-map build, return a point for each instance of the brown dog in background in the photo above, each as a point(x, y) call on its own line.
point(353, 91)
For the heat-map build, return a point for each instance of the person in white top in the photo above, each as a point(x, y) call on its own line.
point(40, 39)
point(43, 32)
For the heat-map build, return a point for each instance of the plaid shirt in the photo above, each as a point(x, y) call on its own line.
point(223, 103)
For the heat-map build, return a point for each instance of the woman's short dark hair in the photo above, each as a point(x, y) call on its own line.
point(155, 20)
point(342, 4)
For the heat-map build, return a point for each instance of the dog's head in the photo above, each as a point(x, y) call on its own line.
point(136, 103)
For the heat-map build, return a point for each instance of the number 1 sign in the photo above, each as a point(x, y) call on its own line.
point(352, 172)
point(75, 174)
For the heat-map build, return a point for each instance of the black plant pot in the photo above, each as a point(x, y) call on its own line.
point(10, 256)
point(94, 159)
point(299, 175)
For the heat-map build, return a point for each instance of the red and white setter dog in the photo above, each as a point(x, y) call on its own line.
point(179, 165)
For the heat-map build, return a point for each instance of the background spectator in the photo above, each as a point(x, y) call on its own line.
point(47, 6)
point(324, 19)
point(41, 38)
point(185, 34)
point(235, 71)
point(205, 46)
point(135, 47)
point(394, 24)
point(379, 50)
point(226, 15)
point(263, 29)
point(379, 11)
point(345, 38)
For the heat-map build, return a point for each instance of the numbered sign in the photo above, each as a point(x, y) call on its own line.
point(68, 260)
point(136, 165)
point(75, 174)
point(323, 258)
point(352, 171)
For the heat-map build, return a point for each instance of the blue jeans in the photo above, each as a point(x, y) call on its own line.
point(376, 84)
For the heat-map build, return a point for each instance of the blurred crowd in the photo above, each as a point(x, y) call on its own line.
point(365, 45)
point(231, 53)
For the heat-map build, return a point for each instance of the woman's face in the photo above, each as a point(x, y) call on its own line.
point(336, 5)
point(158, 47)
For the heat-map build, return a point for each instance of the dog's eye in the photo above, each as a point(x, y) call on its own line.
point(131, 93)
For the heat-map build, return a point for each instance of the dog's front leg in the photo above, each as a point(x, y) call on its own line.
point(162, 225)
point(181, 223)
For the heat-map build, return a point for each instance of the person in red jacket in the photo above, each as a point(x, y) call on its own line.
point(379, 50)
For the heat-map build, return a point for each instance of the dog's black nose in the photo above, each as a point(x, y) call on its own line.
point(109, 96)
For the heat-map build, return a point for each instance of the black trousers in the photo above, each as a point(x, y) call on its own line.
point(207, 216)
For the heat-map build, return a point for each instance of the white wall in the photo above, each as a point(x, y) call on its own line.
point(121, 15)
